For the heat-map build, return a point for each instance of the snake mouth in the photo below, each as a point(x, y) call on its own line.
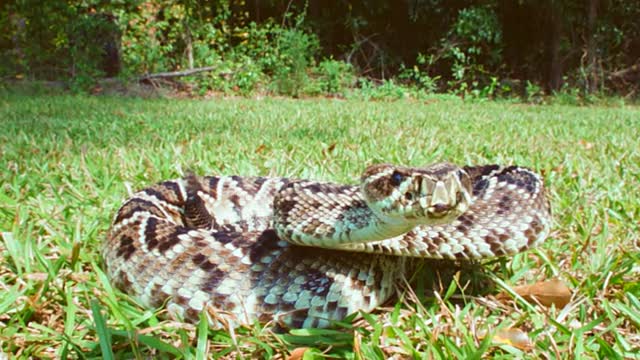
point(439, 211)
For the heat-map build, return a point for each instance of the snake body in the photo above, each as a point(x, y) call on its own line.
point(305, 253)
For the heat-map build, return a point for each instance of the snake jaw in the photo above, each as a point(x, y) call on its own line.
point(448, 200)
point(446, 197)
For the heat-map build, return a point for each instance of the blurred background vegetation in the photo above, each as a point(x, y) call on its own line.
point(494, 48)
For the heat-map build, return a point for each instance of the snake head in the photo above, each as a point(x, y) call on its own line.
point(434, 194)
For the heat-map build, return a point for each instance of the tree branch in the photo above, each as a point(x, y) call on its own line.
point(173, 74)
point(625, 72)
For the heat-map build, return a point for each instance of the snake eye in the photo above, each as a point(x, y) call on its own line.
point(396, 178)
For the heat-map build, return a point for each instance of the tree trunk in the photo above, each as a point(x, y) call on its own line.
point(189, 44)
point(555, 68)
point(592, 56)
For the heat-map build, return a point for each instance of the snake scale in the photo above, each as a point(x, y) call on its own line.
point(305, 253)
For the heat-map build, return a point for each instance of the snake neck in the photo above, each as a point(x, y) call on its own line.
point(331, 219)
point(360, 224)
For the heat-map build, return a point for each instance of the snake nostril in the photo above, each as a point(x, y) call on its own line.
point(408, 196)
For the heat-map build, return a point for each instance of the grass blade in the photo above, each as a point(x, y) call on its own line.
point(203, 332)
point(103, 333)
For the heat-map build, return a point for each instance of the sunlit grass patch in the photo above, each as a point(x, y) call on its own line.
point(68, 162)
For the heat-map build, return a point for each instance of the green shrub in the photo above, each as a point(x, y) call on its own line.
point(296, 50)
point(533, 93)
point(386, 90)
point(91, 36)
point(473, 47)
point(334, 77)
point(419, 74)
point(246, 78)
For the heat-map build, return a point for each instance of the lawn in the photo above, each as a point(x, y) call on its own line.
point(68, 162)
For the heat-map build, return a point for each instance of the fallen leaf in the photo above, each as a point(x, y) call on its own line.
point(329, 149)
point(297, 353)
point(261, 148)
point(547, 293)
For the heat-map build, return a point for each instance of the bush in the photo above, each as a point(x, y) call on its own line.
point(461, 48)
point(333, 77)
point(94, 49)
point(419, 74)
point(296, 50)
point(472, 44)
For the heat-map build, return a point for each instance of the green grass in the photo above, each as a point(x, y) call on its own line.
point(68, 162)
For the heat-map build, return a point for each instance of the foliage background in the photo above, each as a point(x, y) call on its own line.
point(467, 47)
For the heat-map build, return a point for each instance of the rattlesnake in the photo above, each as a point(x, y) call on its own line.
point(305, 253)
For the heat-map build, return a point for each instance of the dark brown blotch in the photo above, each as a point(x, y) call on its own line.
point(235, 200)
point(332, 306)
point(268, 308)
point(150, 233)
point(157, 194)
point(214, 278)
point(504, 205)
point(480, 171)
point(380, 188)
point(157, 296)
point(340, 313)
point(531, 235)
point(181, 300)
point(285, 205)
point(298, 317)
point(266, 242)
point(220, 302)
point(123, 282)
point(438, 239)
point(537, 226)
point(172, 239)
point(317, 283)
point(212, 181)
point(198, 258)
point(174, 188)
point(287, 306)
point(259, 181)
point(192, 314)
point(137, 205)
point(126, 248)
point(196, 214)
point(480, 187)
point(495, 243)
point(467, 219)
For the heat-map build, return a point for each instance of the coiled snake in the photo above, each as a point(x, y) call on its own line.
point(306, 253)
